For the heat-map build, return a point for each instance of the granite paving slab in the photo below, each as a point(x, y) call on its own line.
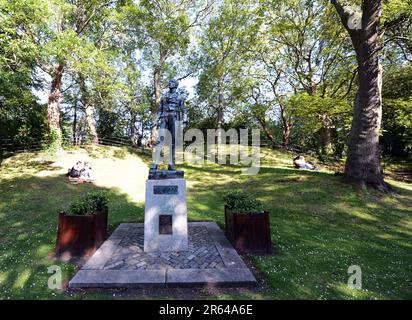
point(121, 262)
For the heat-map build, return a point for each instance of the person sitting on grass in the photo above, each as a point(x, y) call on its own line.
point(87, 172)
point(75, 171)
point(300, 163)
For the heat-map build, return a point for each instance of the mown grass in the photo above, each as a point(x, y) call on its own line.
point(320, 226)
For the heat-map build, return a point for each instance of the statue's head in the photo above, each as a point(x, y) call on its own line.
point(173, 84)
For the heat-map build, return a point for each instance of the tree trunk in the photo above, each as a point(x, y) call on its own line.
point(133, 133)
point(53, 108)
point(75, 123)
point(286, 136)
point(363, 165)
point(286, 127)
point(267, 131)
point(141, 131)
point(156, 107)
point(219, 117)
point(157, 91)
point(326, 134)
point(89, 108)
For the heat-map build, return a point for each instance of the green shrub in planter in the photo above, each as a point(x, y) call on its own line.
point(78, 208)
point(83, 229)
point(247, 225)
point(90, 204)
point(96, 201)
point(241, 201)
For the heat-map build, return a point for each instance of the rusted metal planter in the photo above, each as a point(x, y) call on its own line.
point(248, 233)
point(81, 236)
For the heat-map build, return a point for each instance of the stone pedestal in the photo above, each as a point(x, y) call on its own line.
point(165, 221)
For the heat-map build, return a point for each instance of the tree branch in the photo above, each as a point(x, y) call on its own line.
point(345, 12)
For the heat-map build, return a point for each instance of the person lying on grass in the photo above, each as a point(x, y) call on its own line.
point(300, 163)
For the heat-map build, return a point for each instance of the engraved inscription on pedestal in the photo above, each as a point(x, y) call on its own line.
point(165, 224)
point(165, 190)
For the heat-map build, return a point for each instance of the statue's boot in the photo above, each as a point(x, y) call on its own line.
point(171, 167)
point(153, 167)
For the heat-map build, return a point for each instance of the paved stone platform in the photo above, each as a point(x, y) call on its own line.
point(121, 262)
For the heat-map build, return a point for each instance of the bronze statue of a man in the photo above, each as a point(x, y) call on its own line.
point(172, 109)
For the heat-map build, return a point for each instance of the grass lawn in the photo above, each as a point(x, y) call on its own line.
point(320, 226)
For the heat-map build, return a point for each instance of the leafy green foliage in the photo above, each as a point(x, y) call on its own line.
point(22, 118)
point(307, 111)
point(79, 208)
point(222, 88)
point(242, 202)
point(96, 200)
point(271, 64)
point(397, 112)
point(91, 203)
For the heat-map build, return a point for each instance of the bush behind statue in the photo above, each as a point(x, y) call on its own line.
point(243, 202)
point(90, 204)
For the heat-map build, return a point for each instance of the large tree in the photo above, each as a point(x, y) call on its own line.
point(56, 39)
point(162, 31)
point(396, 138)
point(363, 164)
point(301, 50)
point(22, 119)
point(69, 24)
point(94, 64)
point(221, 81)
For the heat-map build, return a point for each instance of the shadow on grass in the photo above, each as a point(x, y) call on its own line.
point(320, 226)
point(29, 208)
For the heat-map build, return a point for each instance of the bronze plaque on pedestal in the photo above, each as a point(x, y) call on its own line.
point(165, 224)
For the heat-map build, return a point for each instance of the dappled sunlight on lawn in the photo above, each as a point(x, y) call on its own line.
point(111, 169)
point(22, 278)
point(344, 291)
point(32, 193)
point(129, 175)
point(319, 225)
